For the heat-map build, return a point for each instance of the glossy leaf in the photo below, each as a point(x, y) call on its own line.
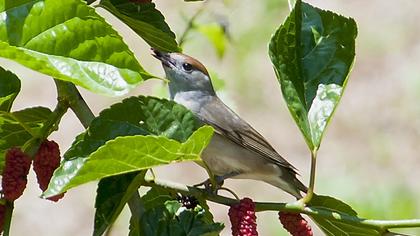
point(339, 227)
point(115, 142)
point(112, 195)
point(67, 40)
point(9, 89)
point(312, 53)
point(164, 216)
point(16, 128)
point(146, 21)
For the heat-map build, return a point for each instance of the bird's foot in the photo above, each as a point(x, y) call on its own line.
point(212, 186)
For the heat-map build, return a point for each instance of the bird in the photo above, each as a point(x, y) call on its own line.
point(236, 149)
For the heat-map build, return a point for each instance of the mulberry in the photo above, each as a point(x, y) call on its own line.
point(189, 202)
point(243, 219)
point(46, 160)
point(295, 224)
point(15, 173)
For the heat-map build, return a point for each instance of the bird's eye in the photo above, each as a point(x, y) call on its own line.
point(187, 67)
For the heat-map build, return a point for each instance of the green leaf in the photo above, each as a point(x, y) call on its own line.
point(146, 21)
point(216, 35)
point(312, 53)
point(164, 216)
point(16, 128)
point(112, 194)
point(67, 40)
point(339, 227)
point(9, 89)
point(115, 143)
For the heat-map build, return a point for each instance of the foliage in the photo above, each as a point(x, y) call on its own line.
point(312, 54)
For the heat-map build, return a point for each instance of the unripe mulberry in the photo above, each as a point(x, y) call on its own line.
point(15, 173)
point(46, 160)
point(189, 202)
point(243, 219)
point(295, 224)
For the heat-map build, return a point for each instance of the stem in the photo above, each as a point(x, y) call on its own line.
point(68, 93)
point(7, 218)
point(190, 24)
point(380, 225)
point(311, 187)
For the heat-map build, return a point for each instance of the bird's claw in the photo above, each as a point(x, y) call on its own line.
point(211, 186)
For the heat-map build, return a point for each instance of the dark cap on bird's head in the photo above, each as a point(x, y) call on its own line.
point(169, 58)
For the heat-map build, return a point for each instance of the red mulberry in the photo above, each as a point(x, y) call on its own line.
point(46, 160)
point(295, 224)
point(2, 214)
point(15, 173)
point(243, 219)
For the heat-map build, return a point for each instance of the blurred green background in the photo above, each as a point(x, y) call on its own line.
point(369, 155)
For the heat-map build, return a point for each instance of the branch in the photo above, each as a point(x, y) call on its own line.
point(296, 207)
point(190, 24)
point(68, 93)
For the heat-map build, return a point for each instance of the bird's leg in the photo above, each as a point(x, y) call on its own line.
point(212, 185)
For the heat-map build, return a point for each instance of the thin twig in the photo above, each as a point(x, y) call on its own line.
point(380, 225)
point(190, 24)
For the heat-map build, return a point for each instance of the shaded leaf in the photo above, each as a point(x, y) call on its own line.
point(9, 89)
point(67, 40)
point(112, 195)
point(339, 227)
point(14, 125)
point(312, 53)
point(146, 21)
point(93, 157)
point(167, 217)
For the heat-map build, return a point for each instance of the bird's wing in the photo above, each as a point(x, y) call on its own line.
point(228, 124)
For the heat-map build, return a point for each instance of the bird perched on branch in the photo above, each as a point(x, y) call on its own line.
point(236, 150)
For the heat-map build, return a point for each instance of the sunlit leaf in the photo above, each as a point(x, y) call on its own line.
point(146, 21)
point(115, 143)
point(312, 53)
point(67, 40)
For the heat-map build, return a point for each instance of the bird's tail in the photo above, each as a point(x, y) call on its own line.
point(289, 183)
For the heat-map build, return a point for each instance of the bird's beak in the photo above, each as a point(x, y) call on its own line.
point(164, 57)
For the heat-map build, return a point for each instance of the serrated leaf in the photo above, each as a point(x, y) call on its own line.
point(165, 216)
point(339, 227)
point(312, 53)
point(9, 89)
point(112, 194)
point(146, 21)
point(128, 154)
point(14, 125)
point(216, 35)
point(93, 157)
point(67, 40)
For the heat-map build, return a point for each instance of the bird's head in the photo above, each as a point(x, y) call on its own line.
point(184, 73)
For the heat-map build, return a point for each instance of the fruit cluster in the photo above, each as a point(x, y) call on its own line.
point(295, 224)
point(243, 219)
point(189, 202)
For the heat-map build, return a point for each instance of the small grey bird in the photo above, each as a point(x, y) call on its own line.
point(236, 150)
